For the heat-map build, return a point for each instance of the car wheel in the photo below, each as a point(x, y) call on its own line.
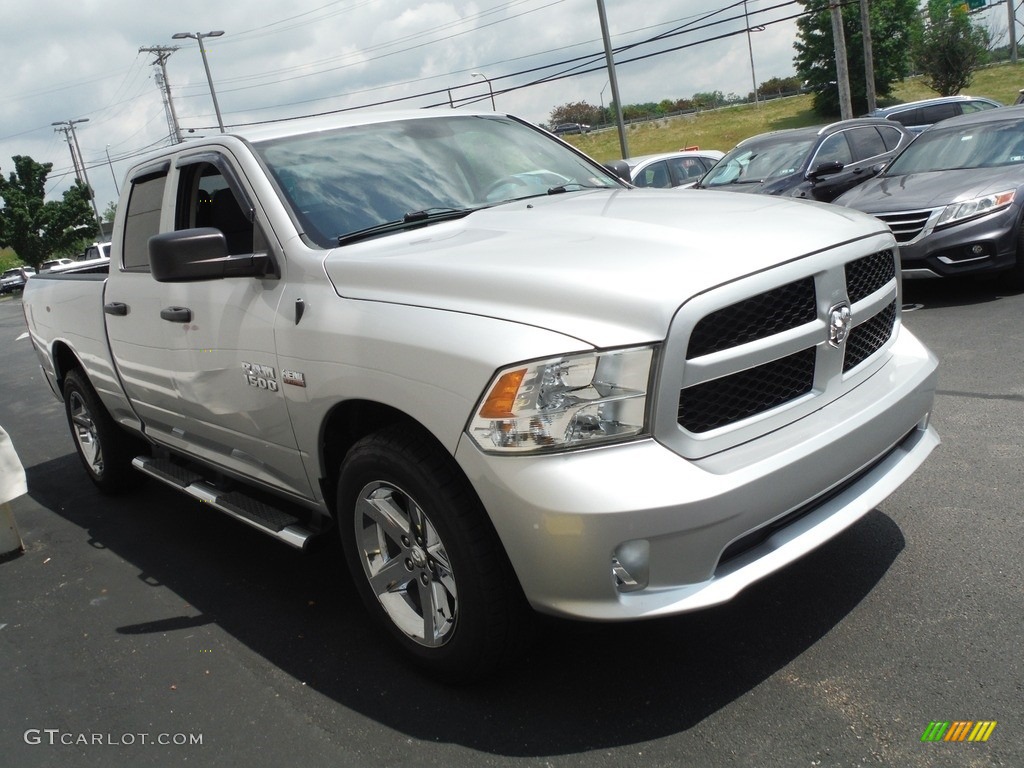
point(1017, 273)
point(425, 559)
point(105, 449)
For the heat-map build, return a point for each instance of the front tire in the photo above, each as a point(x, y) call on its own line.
point(1016, 275)
point(425, 559)
point(105, 449)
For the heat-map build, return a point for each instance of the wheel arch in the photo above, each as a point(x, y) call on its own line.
point(64, 361)
point(347, 423)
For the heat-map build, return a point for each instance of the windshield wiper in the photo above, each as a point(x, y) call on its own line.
point(410, 220)
point(574, 186)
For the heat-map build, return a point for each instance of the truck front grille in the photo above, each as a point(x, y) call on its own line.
point(747, 393)
point(755, 318)
point(869, 337)
point(771, 350)
point(867, 275)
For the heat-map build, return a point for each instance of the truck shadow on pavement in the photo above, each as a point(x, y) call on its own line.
point(582, 687)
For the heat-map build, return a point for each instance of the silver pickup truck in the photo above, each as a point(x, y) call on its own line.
point(510, 381)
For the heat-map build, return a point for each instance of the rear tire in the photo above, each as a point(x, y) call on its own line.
point(105, 449)
point(425, 559)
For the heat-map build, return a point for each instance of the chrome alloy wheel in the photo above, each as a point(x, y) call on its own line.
point(406, 564)
point(85, 433)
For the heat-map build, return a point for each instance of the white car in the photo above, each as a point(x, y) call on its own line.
point(671, 169)
point(55, 263)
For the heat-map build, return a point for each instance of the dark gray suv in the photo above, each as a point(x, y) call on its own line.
point(954, 198)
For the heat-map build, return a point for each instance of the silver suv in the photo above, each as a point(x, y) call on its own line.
point(14, 279)
point(917, 115)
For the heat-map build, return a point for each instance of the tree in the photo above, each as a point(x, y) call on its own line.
point(777, 86)
point(709, 99)
point(34, 227)
point(576, 112)
point(949, 49)
point(892, 26)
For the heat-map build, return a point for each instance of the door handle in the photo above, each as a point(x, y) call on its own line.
point(176, 314)
point(115, 308)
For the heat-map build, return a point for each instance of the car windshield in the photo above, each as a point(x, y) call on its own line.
point(356, 178)
point(753, 162)
point(981, 145)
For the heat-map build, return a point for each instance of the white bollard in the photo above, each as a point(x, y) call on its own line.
point(12, 485)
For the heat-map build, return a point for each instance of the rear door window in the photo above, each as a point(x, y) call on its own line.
point(937, 112)
point(907, 117)
point(142, 219)
point(891, 137)
point(865, 142)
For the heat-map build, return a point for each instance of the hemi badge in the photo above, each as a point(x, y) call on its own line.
point(294, 378)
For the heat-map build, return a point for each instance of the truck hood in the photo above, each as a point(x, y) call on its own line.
point(606, 267)
point(929, 190)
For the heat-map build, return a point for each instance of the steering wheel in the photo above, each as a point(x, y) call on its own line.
point(504, 181)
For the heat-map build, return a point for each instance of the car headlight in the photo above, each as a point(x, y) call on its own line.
point(565, 402)
point(979, 206)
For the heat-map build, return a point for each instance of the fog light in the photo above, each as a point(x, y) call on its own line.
point(977, 250)
point(631, 569)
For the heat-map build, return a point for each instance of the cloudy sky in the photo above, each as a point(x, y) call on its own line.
point(80, 60)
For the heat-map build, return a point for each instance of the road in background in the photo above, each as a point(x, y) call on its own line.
point(149, 618)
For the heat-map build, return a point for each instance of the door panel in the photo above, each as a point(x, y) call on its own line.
point(134, 332)
point(225, 370)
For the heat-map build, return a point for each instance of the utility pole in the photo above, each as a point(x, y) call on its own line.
point(162, 53)
point(68, 127)
point(750, 50)
point(842, 68)
point(65, 128)
point(198, 37)
point(623, 143)
point(1011, 21)
point(869, 63)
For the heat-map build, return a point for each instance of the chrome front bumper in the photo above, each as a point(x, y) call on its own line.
point(636, 531)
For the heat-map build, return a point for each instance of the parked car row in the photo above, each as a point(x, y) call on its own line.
point(15, 278)
point(946, 175)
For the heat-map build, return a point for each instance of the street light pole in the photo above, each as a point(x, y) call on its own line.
point(489, 87)
point(198, 37)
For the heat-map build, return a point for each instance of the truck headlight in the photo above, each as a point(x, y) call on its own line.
point(565, 402)
point(978, 206)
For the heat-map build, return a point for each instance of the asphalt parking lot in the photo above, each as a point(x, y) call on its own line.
point(149, 631)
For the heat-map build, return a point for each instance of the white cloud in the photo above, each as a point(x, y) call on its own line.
point(67, 61)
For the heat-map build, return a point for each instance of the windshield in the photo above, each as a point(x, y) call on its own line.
point(352, 179)
point(753, 162)
point(982, 145)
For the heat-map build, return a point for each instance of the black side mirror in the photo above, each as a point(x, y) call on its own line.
point(825, 169)
point(621, 169)
point(189, 255)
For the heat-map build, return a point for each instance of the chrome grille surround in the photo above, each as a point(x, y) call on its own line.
point(908, 226)
point(723, 384)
